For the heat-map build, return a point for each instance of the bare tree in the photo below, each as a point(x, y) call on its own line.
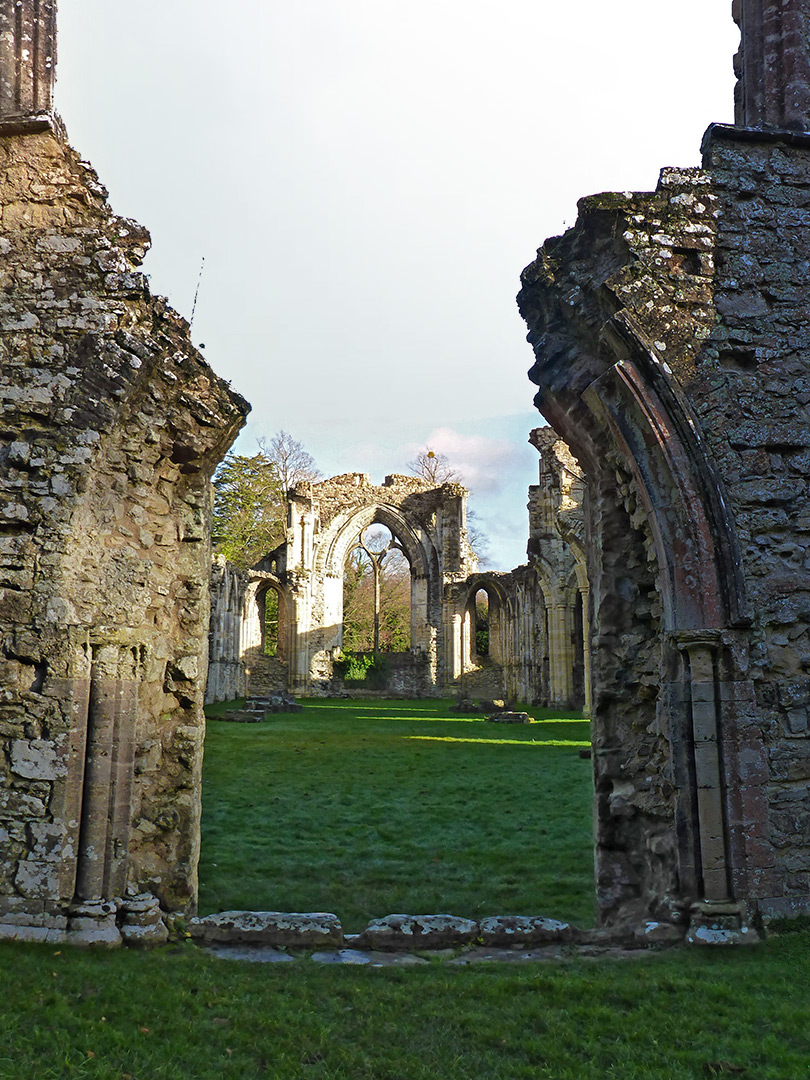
point(434, 467)
point(292, 462)
point(477, 539)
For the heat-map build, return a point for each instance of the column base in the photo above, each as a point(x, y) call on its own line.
point(92, 924)
point(721, 923)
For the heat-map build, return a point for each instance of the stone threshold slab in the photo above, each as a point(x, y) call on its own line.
point(261, 954)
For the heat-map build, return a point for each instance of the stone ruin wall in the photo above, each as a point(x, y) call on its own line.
point(752, 392)
point(533, 655)
point(227, 679)
point(112, 425)
point(324, 518)
point(671, 334)
point(704, 282)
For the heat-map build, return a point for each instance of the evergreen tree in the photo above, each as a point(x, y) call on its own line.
point(249, 509)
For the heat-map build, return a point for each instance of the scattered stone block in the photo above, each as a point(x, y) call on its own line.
point(301, 930)
point(417, 932)
point(523, 930)
point(511, 718)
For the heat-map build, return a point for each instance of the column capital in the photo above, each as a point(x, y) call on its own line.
point(699, 638)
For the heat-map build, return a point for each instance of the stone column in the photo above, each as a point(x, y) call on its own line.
point(454, 649)
point(699, 654)
point(719, 917)
point(560, 655)
point(74, 692)
point(122, 775)
point(585, 600)
point(108, 775)
point(301, 657)
point(27, 58)
point(773, 64)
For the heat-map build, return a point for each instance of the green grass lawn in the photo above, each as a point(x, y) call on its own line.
point(179, 1014)
point(398, 795)
point(366, 808)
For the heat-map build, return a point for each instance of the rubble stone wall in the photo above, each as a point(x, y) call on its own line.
point(671, 331)
point(753, 397)
point(112, 425)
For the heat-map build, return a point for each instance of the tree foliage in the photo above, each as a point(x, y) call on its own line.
point(249, 509)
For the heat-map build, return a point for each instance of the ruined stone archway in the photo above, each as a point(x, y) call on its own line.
point(266, 668)
point(482, 665)
point(419, 551)
point(668, 598)
point(324, 521)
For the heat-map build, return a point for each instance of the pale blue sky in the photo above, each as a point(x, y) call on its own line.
point(366, 180)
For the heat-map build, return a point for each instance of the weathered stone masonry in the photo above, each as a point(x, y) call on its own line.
point(672, 341)
point(111, 427)
point(538, 612)
point(671, 333)
point(324, 520)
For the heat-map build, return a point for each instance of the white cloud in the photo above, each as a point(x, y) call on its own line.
point(485, 464)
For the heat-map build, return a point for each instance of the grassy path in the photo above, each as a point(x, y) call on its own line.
point(367, 808)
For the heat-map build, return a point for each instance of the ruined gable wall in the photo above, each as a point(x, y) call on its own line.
point(324, 519)
point(112, 425)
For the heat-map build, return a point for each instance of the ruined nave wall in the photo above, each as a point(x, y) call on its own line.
point(111, 427)
point(671, 333)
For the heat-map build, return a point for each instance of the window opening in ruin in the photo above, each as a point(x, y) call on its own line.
point(481, 608)
point(269, 634)
point(376, 594)
point(271, 617)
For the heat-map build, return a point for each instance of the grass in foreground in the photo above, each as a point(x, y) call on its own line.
point(373, 807)
point(181, 1015)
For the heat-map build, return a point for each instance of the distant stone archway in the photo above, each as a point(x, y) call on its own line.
point(324, 522)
